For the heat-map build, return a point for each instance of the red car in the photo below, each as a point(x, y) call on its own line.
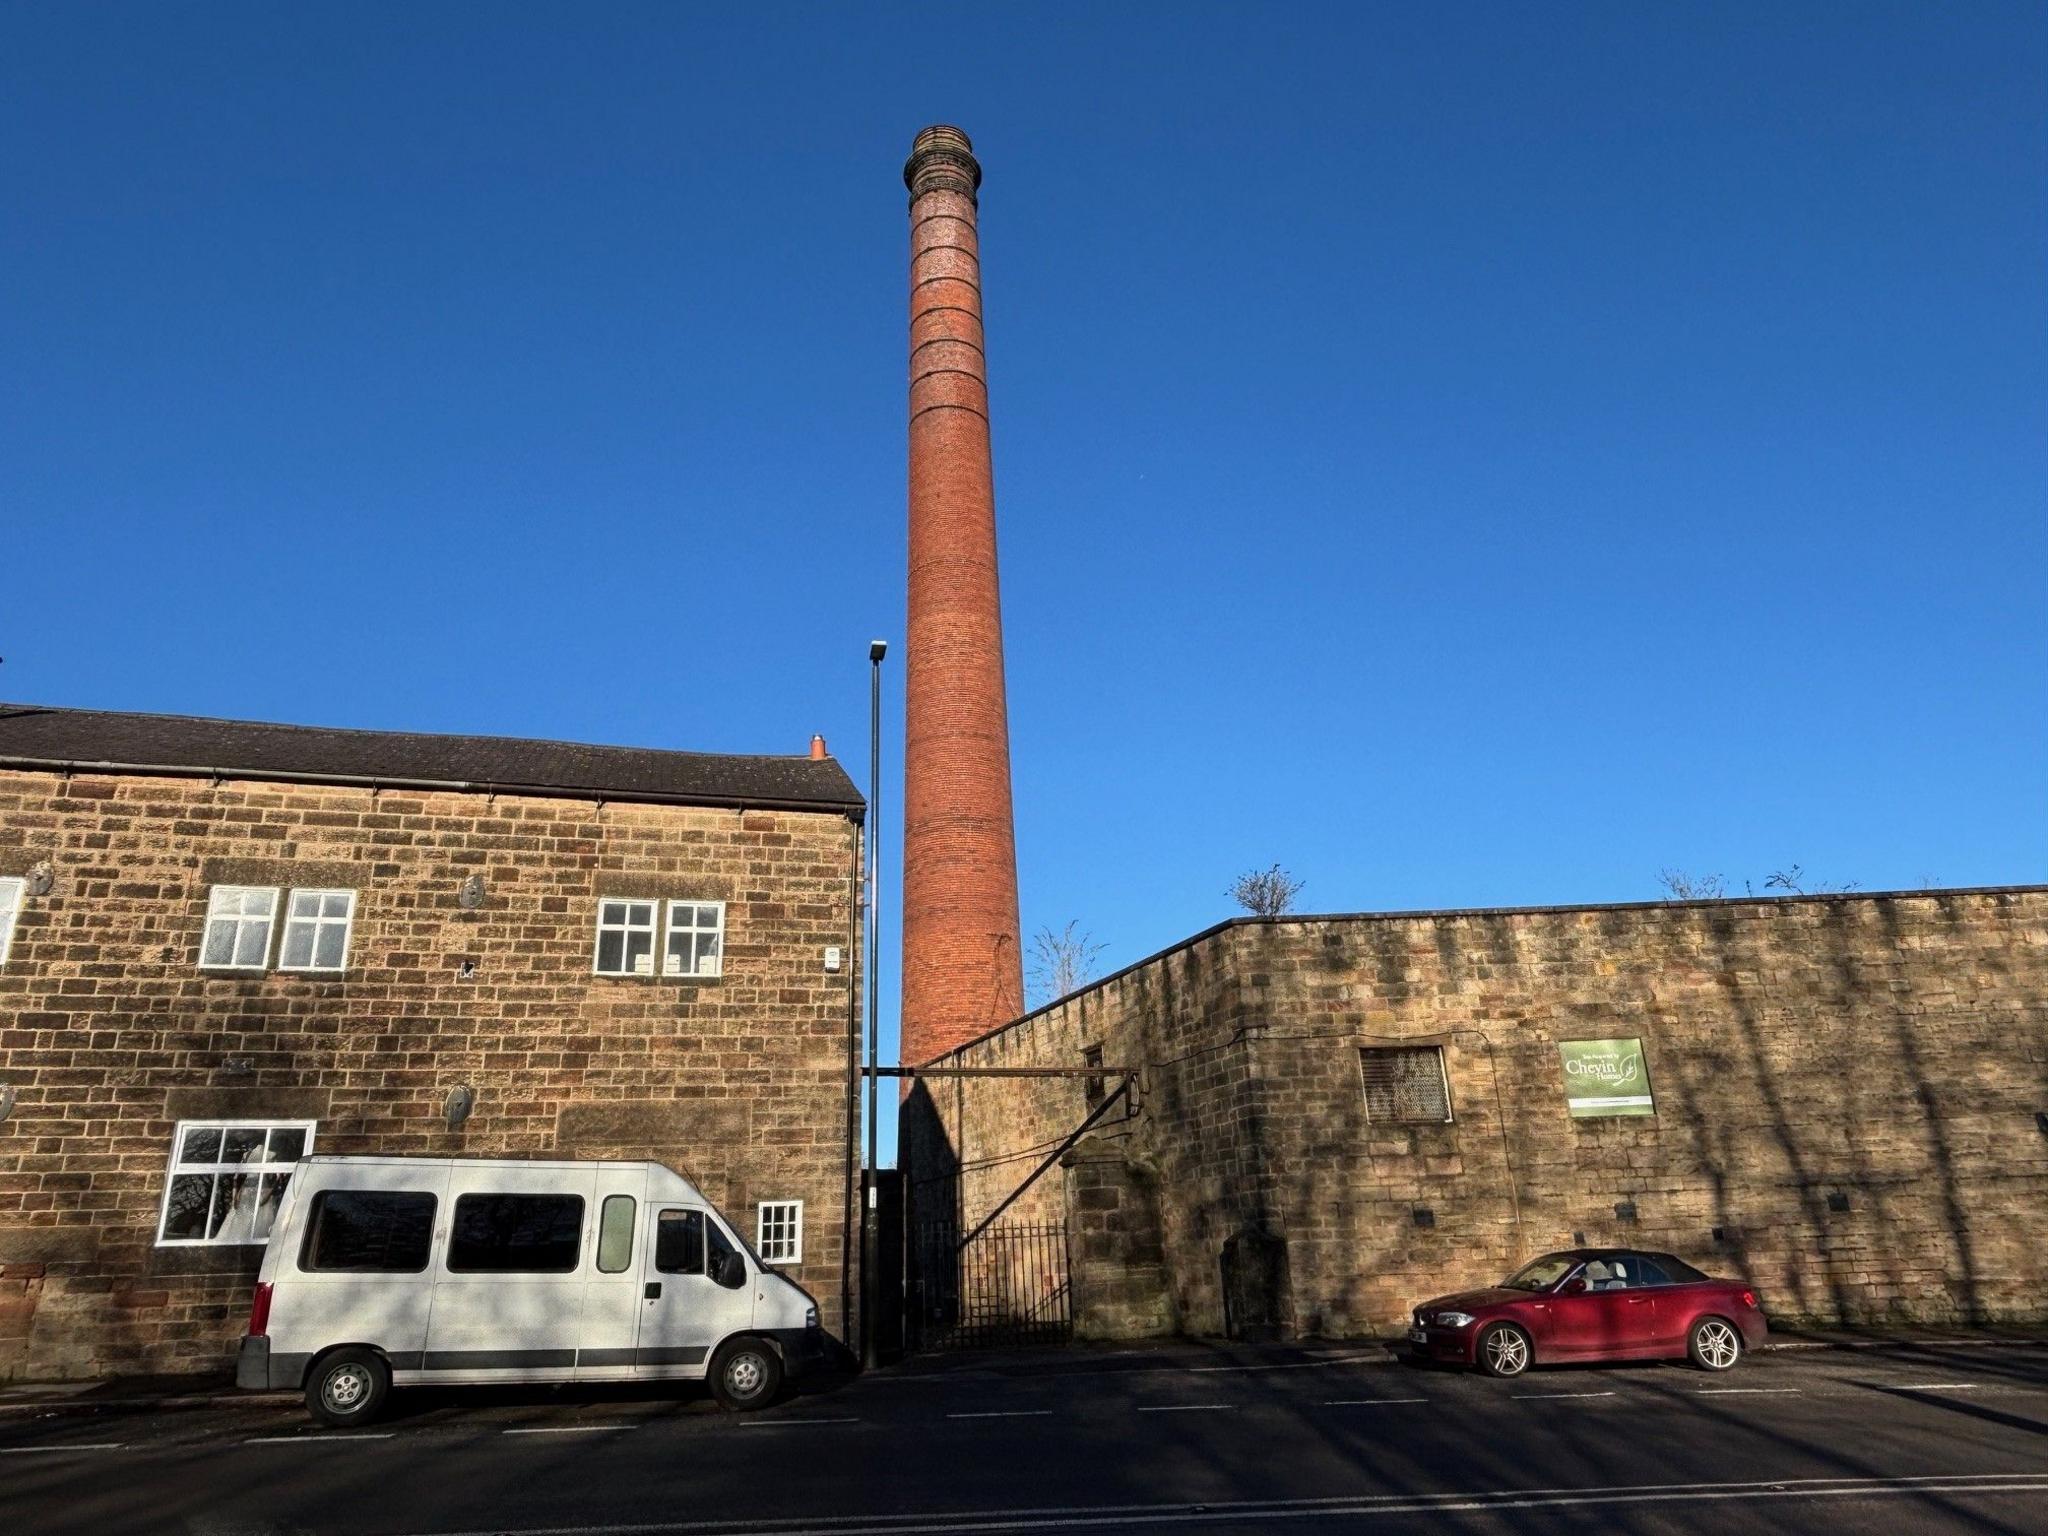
point(1592, 1304)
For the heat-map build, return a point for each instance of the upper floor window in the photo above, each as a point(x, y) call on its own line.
point(226, 1178)
point(238, 919)
point(690, 943)
point(316, 928)
point(779, 1232)
point(1406, 1086)
point(625, 938)
point(10, 909)
point(695, 929)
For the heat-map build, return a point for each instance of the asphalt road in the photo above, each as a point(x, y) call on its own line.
point(1898, 1441)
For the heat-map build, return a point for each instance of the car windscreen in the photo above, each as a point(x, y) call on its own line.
point(1542, 1274)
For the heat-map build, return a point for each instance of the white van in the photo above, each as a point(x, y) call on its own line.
point(395, 1271)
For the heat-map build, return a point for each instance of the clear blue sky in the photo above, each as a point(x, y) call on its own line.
point(1467, 454)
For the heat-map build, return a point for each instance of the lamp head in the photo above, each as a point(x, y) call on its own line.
point(877, 649)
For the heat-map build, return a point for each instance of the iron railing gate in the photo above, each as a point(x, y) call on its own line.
point(1007, 1285)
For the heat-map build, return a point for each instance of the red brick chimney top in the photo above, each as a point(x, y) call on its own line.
point(942, 157)
point(817, 749)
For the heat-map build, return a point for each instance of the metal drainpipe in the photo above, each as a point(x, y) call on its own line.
point(853, 950)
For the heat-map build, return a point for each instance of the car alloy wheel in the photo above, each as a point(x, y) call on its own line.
point(1715, 1344)
point(1504, 1351)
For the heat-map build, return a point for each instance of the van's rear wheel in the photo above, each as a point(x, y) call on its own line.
point(745, 1373)
point(348, 1387)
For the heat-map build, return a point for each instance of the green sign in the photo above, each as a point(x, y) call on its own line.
point(1605, 1077)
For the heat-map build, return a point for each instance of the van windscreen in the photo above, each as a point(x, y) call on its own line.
point(369, 1230)
point(516, 1234)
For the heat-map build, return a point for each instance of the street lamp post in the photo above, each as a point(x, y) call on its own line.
point(869, 1237)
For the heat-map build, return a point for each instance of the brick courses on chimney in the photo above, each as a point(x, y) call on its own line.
point(470, 961)
point(963, 971)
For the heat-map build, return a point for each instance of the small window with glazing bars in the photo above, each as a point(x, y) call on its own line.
point(1406, 1085)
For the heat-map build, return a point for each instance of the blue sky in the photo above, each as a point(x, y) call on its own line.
point(1467, 454)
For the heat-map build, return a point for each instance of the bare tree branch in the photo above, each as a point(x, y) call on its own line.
point(1680, 886)
point(1266, 892)
point(1061, 962)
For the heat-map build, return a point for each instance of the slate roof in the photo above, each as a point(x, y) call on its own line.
point(91, 740)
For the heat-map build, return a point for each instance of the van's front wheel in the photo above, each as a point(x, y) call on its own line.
point(348, 1387)
point(745, 1373)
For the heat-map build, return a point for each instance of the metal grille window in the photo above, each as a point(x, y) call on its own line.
point(316, 928)
point(779, 1232)
point(238, 919)
point(10, 909)
point(625, 938)
point(696, 930)
point(1406, 1086)
point(227, 1177)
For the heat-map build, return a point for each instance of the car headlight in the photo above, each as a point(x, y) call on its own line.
point(1455, 1319)
point(810, 1317)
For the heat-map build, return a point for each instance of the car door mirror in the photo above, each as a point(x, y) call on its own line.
point(1576, 1286)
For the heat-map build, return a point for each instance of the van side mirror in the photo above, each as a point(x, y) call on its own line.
point(729, 1270)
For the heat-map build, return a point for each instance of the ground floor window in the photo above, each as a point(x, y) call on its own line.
point(226, 1178)
point(779, 1233)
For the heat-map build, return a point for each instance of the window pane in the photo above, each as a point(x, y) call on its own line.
point(297, 952)
point(334, 904)
point(707, 954)
point(287, 1144)
point(235, 1198)
point(679, 1243)
point(191, 1198)
point(305, 904)
point(333, 941)
point(367, 1230)
point(611, 913)
point(615, 1235)
point(220, 943)
point(524, 1234)
point(611, 952)
point(724, 1265)
point(251, 939)
point(259, 901)
point(243, 1144)
point(640, 914)
point(202, 1145)
point(639, 949)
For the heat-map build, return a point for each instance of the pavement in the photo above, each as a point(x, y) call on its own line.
point(1937, 1434)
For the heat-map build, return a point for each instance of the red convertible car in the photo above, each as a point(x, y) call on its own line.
point(1592, 1304)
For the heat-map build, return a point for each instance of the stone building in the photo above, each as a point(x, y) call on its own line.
point(223, 945)
point(1841, 1099)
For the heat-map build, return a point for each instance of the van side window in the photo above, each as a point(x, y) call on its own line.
point(726, 1266)
point(516, 1234)
point(615, 1235)
point(368, 1230)
point(679, 1243)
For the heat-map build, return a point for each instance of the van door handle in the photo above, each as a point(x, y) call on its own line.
point(653, 1291)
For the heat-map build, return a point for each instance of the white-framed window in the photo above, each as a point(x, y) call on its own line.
point(696, 938)
point(10, 909)
point(238, 920)
point(779, 1231)
point(226, 1178)
point(1406, 1085)
point(316, 929)
point(625, 937)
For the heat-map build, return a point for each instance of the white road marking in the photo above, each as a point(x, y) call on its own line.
point(1070, 1517)
point(317, 1439)
point(1368, 1402)
point(1929, 1386)
point(1007, 1413)
point(1748, 1392)
point(1189, 1408)
point(1538, 1397)
point(1291, 1365)
point(574, 1429)
point(789, 1423)
point(51, 1450)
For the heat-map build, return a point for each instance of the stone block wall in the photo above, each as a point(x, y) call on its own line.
point(111, 1034)
point(1847, 1091)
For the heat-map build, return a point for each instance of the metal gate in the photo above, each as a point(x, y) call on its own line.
point(1007, 1285)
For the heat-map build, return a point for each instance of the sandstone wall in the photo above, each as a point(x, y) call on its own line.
point(1847, 1092)
point(111, 1034)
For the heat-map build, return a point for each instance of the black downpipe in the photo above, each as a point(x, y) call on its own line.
point(853, 950)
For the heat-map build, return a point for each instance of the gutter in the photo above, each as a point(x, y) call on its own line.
point(854, 811)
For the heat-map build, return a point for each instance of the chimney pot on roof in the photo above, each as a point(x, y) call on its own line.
point(817, 749)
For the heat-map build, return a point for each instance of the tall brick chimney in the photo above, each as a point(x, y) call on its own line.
point(963, 972)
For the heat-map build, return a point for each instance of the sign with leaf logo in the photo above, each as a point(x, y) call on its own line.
point(1605, 1077)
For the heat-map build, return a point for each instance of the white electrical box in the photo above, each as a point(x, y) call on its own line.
point(832, 957)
